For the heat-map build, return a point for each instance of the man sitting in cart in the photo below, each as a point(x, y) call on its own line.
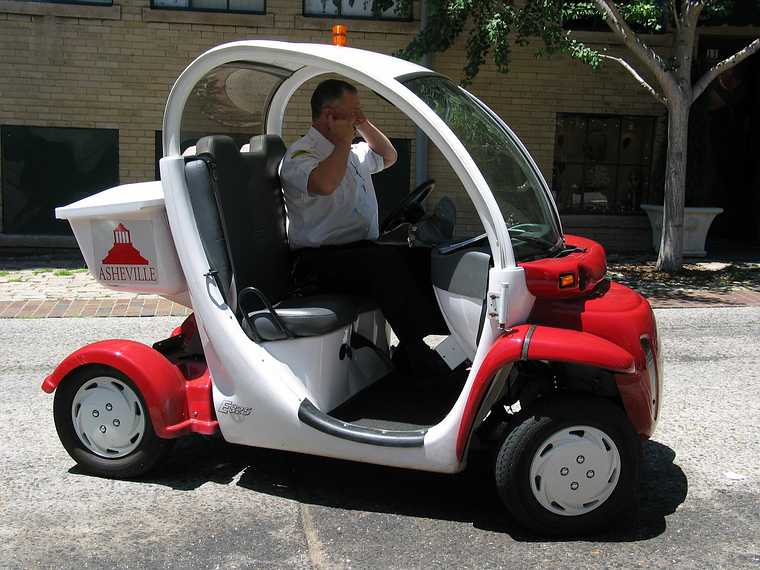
point(333, 216)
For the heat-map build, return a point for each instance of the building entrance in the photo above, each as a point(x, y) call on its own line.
point(724, 169)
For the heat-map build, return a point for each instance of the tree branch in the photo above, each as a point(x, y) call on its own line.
point(637, 76)
point(647, 55)
point(724, 65)
point(674, 12)
point(692, 10)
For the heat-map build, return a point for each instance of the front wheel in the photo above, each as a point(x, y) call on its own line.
point(103, 423)
point(569, 467)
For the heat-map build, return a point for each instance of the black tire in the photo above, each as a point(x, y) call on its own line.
point(521, 444)
point(148, 453)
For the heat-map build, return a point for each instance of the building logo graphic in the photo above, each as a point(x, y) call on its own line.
point(130, 256)
point(123, 252)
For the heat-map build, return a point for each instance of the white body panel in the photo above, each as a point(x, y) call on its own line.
point(462, 315)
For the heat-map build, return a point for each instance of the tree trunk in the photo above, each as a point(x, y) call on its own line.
point(671, 244)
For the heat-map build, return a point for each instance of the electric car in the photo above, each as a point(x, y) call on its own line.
point(554, 367)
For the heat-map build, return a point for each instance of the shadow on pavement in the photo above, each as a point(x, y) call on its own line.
point(468, 497)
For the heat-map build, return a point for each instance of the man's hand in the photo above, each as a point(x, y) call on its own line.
point(376, 140)
point(340, 130)
point(359, 118)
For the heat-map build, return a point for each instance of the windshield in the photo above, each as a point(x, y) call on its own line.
point(514, 184)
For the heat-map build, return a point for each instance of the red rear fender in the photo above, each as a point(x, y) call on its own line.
point(162, 385)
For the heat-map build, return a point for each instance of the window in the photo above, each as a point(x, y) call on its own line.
point(45, 167)
point(229, 100)
point(248, 6)
point(87, 2)
point(189, 139)
point(392, 184)
point(602, 163)
point(352, 9)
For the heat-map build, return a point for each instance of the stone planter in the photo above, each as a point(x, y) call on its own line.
point(697, 222)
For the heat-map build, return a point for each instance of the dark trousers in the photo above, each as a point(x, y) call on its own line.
point(397, 278)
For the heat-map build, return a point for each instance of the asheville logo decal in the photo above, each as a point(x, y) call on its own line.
point(125, 261)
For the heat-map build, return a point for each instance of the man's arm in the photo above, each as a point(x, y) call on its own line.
point(378, 142)
point(326, 177)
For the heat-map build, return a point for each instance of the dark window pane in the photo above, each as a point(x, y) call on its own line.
point(392, 184)
point(320, 8)
point(247, 5)
point(636, 140)
point(171, 3)
point(599, 192)
point(568, 182)
point(45, 167)
point(633, 186)
point(213, 5)
point(571, 137)
point(356, 8)
point(349, 9)
point(95, 2)
point(209, 4)
point(602, 139)
point(602, 163)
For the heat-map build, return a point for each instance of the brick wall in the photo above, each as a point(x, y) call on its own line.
point(113, 67)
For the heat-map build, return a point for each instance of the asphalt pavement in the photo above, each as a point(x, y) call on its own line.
point(214, 505)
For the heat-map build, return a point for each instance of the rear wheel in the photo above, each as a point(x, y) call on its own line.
point(104, 424)
point(569, 467)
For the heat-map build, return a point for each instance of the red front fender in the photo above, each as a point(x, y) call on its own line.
point(536, 342)
point(159, 381)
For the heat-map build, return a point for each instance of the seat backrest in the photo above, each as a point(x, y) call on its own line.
point(208, 221)
point(252, 207)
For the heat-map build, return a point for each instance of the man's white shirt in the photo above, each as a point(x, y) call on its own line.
point(348, 214)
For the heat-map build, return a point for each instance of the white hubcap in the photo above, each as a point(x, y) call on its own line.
point(108, 417)
point(575, 470)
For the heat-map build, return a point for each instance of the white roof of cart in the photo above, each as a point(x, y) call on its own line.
point(290, 55)
point(382, 74)
point(301, 61)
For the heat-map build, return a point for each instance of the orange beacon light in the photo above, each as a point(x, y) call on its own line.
point(339, 33)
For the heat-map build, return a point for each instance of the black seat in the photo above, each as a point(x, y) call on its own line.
point(249, 206)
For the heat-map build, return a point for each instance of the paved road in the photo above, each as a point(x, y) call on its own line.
point(216, 505)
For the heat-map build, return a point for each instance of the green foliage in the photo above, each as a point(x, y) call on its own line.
point(492, 26)
point(642, 15)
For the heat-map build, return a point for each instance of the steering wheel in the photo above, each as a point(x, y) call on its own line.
point(410, 209)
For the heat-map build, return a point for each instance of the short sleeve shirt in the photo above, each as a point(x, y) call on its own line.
point(349, 214)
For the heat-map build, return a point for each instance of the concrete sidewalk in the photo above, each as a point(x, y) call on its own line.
point(48, 288)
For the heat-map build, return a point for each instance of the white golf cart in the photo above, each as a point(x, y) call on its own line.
point(552, 364)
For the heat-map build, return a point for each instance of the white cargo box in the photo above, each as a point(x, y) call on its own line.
point(124, 236)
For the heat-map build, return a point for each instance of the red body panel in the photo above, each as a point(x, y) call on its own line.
point(589, 268)
point(545, 343)
point(178, 398)
point(622, 317)
point(507, 348)
point(563, 345)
